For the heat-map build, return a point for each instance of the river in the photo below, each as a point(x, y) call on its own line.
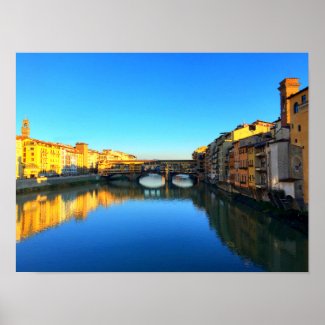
point(150, 226)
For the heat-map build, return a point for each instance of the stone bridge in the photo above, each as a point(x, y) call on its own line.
point(134, 169)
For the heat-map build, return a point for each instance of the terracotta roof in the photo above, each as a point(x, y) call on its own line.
point(262, 122)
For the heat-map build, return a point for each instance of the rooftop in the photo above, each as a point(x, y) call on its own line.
point(299, 92)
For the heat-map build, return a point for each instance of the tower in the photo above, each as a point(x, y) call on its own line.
point(287, 87)
point(25, 130)
point(83, 149)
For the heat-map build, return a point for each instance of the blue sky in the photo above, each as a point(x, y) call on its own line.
point(153, 105)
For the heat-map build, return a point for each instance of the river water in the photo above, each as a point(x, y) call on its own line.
point(151, 226)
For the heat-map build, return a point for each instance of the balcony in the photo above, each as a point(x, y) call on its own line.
point(303, 105)
point(260, 185)
point(260, 154)
point(261, 169)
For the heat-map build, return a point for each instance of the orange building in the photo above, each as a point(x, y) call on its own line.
point(287, 87)
point(235, 170)
point(294, 113)
point(231, 166)
point(243, 165)
point(299, 107)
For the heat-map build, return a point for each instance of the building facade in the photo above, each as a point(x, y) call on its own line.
point(299, 130)
point(37, 158)
point(263, 160)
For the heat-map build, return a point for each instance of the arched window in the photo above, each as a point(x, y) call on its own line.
point(295, 108)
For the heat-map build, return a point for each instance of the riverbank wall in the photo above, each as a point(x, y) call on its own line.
point(42, 183)
point(296, 219)
point(275, 197)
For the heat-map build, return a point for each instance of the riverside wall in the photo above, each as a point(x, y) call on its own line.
point(25, 185)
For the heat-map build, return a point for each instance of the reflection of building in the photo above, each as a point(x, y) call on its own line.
point(36, 158)
point(36, 212)
point(263, 240)
point(47, 211)
point(260, 239)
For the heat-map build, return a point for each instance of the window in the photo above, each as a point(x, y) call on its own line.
point(283, 103)
point(296, 140)
point(297, 164)
point(299, 128)
point(293, 126)
point(295, 108)
point(303, 99)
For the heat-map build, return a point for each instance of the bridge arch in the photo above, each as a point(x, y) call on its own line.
point(147, 173)
point(117, 176)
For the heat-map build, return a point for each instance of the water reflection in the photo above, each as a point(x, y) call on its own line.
point(258, 240)
point(152, 181)
point(182, 181)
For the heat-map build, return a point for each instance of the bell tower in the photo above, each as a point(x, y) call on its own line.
point(25, 130)
point(287, 87)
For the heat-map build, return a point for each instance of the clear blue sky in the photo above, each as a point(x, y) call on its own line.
point(151, 105)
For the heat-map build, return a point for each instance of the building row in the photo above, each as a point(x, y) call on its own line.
point(35, 158)
point(263, 160)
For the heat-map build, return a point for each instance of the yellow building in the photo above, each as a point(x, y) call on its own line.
point(240, 133)
point(93, 157)
point(19, 157)
point(108, 154)
point(36, 158)
point(247, 130)
point(299, 107)
point(40, 157)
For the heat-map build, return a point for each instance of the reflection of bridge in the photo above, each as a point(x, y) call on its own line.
point(134, 169)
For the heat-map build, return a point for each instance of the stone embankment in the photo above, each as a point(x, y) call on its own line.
point(294, 218)
point(33, 184)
